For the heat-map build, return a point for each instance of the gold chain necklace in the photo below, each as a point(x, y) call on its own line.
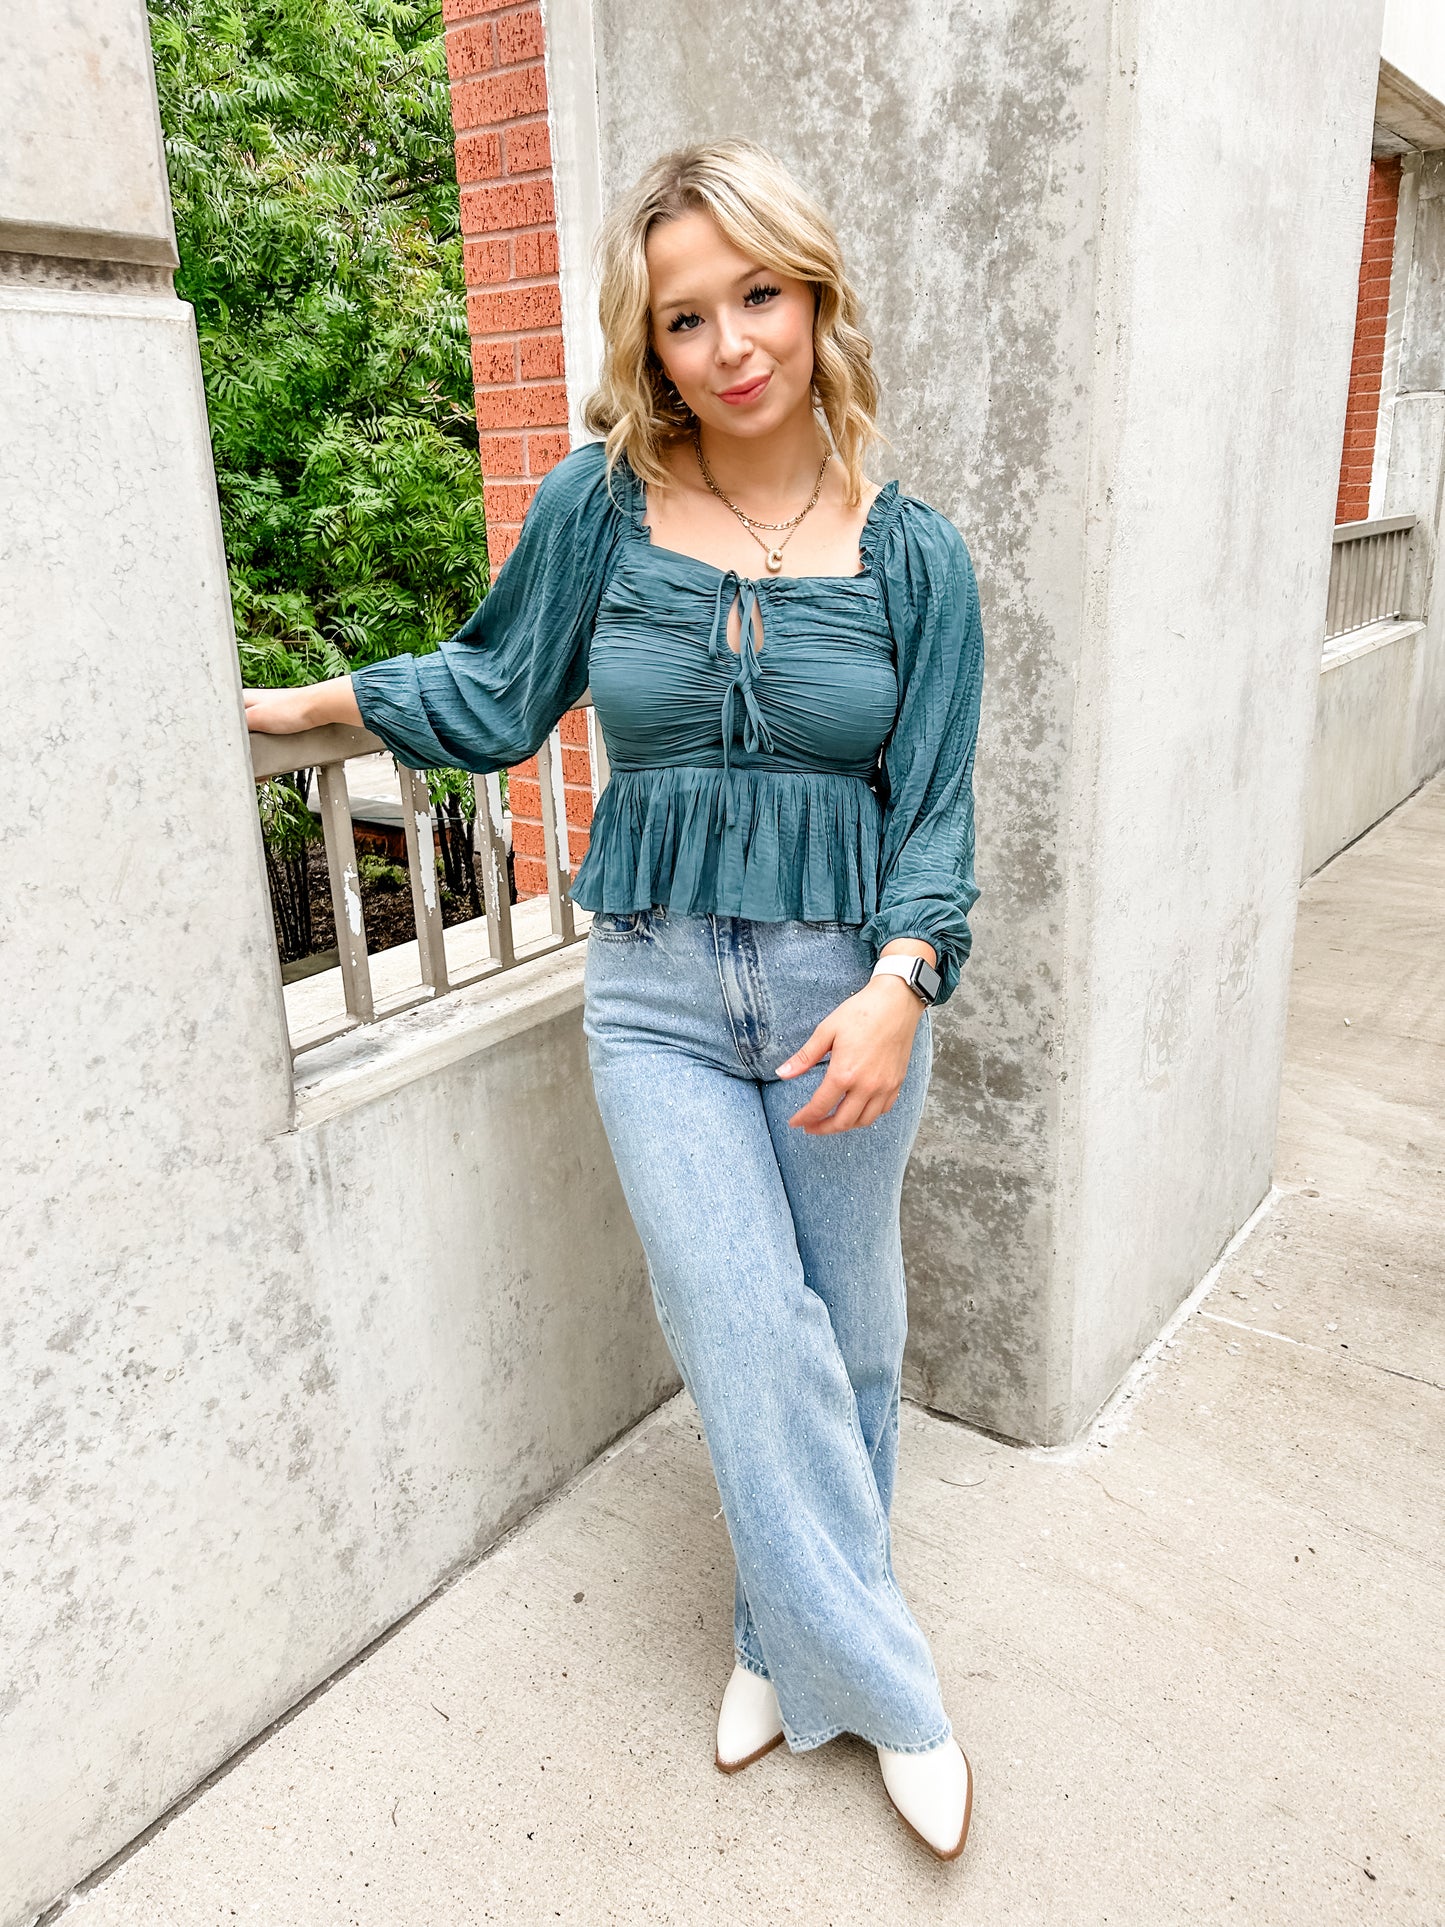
point(773, 551)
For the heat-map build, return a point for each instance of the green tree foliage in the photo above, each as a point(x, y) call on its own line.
point(454, 812)
point(289, 830)
point(310, 153)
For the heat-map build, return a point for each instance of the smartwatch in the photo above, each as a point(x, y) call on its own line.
point(919, 975)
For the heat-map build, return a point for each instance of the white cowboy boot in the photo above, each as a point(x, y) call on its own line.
point(933, 1793)
point(748, 1723)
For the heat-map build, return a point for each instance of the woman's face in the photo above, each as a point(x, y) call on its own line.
point(735, 338)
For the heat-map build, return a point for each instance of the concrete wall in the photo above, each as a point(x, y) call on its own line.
point(1418, 477)
point(1422, 348)
point(271, 1372)
point(1363, 763)
point(1380, 721)
point(82, 171)
point(1116, 355)
point(1228, 322)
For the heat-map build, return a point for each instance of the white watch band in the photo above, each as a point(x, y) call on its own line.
point(898, 967)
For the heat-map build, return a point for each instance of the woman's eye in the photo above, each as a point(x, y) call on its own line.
point(761, 289)
point(682, 322)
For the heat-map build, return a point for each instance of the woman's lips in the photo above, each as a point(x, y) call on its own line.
point(745, 391)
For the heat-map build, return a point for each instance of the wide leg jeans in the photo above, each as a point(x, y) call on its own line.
point(777, 1273)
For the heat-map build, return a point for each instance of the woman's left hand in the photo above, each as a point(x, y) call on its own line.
point(870, 1038)
point(286, 712)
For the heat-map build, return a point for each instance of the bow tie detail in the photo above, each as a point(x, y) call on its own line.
point(743, 682)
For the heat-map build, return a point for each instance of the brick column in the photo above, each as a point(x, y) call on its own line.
point(514, 310)
point(1367, 363)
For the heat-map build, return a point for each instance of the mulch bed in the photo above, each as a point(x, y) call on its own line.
point(387, 914)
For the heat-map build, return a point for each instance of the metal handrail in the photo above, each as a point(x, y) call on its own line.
point(1369, 564)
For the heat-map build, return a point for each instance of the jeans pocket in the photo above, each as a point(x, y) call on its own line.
point(623, 926)
point(830, 923)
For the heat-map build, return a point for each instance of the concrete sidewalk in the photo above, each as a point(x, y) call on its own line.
point(1196, 1658)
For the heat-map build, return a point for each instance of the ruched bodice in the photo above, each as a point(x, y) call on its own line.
point(820, 693)
point(822, 770)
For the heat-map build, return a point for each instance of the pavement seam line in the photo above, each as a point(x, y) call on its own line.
point(1325, 1351)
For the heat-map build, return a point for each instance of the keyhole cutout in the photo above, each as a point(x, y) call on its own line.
point(735, 628)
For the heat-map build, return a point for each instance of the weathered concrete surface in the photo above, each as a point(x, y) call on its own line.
point(1115, 355)
point(82, 169)
point(1195, 1658)
point(1379, 727)
point(268, 1377)
point(1422, 349)
point(1380, 721)
point(1363, 762)
point(1417, 479)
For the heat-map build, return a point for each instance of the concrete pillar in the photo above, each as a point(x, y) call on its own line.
point(1417, 452)
point(1110, 257)
point(1422, 349)
point(144, 1034)
point(1416, 485)
point(271, 1373)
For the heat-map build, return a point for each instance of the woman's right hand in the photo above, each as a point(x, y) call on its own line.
point(284, 712)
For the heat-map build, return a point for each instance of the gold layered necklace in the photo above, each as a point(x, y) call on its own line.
point(773, 551)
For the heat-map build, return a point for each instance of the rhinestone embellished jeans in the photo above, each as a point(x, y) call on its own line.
point(777, 1273)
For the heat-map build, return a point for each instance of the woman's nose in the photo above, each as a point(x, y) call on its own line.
point(733, 341)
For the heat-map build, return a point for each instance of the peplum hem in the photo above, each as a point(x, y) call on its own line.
point(744, 842)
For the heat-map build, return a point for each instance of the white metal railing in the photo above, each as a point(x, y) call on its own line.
point(1367, 573)
point(327, 751)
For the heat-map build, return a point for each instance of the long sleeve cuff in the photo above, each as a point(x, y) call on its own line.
point(941, 924)
point(389, 696)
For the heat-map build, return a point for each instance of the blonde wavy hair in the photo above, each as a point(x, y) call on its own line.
point(764, 212)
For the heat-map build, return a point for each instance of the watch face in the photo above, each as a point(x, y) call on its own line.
point(929, 979)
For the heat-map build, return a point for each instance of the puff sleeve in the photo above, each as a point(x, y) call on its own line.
point(926, 885)
point(488, 696)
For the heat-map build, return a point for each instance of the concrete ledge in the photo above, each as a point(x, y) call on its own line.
point(1405, 108)
point(82, 158)
point(372, 1062)
point(1360, 642)
point(88, 244)
point(96, 297)
point(72, 274)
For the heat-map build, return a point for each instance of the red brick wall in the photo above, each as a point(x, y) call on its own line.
point(1367, 363)
point(514, 308)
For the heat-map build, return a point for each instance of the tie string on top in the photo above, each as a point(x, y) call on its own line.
point(744, 679)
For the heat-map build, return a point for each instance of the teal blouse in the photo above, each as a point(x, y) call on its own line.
point(822, 772)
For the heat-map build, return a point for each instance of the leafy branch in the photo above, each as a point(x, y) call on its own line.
point(309, 144)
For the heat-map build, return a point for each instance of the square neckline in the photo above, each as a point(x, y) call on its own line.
point(643, 531)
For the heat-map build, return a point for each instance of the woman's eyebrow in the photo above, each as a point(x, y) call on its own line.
point(686, 300)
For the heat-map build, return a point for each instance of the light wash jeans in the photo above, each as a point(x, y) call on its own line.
point(777, 1273)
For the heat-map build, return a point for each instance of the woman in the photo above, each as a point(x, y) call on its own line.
point(786, 663)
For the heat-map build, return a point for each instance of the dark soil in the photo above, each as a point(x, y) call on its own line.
point(386, 913)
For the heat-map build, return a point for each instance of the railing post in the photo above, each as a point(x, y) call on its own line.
point(488, 792)
point(554, 839)
point(345, 891)
point(327, 751)
point(421, 860)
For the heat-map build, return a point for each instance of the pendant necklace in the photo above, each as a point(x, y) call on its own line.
point(773, 551)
